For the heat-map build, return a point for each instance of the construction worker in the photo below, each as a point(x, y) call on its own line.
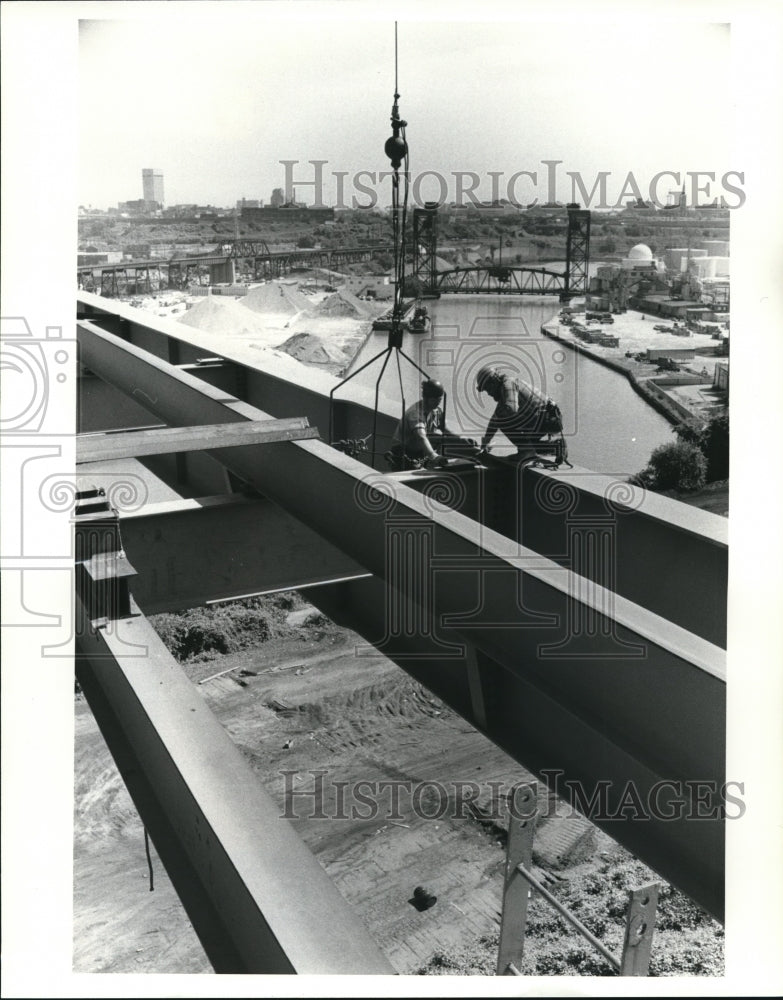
point(422, 424)
point(526, 416)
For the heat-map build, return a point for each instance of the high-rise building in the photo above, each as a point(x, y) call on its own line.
point(152, 181)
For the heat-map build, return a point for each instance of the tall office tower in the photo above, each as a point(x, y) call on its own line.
point(153, 185)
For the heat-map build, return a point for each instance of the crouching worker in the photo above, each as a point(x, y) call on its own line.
point(419, 435)
point(529, 419)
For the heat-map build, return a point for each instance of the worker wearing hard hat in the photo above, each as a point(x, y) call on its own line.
point(525, 415)
point(420, 430)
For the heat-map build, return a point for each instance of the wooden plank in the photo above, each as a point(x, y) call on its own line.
point(169, 440)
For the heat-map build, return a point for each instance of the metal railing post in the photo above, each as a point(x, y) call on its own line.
point(639, 927)
point(519, 880)
point(519, 851)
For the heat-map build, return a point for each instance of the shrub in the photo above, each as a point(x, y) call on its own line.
point(676, 466)
point(201, 633)
point(690, 431)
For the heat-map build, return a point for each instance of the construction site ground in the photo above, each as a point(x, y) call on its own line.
point(307, 706)
point(321, 700)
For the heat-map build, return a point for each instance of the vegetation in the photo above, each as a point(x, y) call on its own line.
point(678, 465)
point(202, 633)
point(699, 455)
point(686, 941)
point(716, 448)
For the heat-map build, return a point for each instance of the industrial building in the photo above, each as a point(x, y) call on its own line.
point(677, 259)
point(611, 288)
point(684, 280)
point(286, 213)
point(710, 260)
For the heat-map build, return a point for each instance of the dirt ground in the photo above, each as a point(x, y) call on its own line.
point(312, 702)
point(310, 706)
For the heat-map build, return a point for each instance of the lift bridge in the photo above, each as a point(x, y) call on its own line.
point(576, 621)
point(500, 279)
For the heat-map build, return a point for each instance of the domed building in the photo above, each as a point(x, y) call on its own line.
point(640, 258)
point(640, 252)
point(614, 283)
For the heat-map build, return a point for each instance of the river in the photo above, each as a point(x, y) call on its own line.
point(609, 428)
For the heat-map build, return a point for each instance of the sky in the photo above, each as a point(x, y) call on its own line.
point(216, 102)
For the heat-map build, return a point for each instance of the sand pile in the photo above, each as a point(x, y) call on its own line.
point(343, 303)
point(215, 314)
point(313, 350)
point(275, 298)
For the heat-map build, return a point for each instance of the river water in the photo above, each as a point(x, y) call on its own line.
point(609, 428)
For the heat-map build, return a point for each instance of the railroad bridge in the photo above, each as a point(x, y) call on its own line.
point(218, 265)
point(261, 263)
point(576, 621)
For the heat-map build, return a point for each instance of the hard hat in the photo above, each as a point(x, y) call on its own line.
point(431, 387)
point(483, 376)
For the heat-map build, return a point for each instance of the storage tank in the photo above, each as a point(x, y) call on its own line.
point(716, 248)
point(712, 267)
point(677, 258)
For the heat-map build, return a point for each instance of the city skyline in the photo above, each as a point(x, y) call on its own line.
point(696, 189)
point(486, 98)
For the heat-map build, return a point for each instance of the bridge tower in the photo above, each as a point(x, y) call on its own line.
point(425, 244)
point(577, 252)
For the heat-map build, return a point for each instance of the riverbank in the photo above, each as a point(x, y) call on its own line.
point(687, 394)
